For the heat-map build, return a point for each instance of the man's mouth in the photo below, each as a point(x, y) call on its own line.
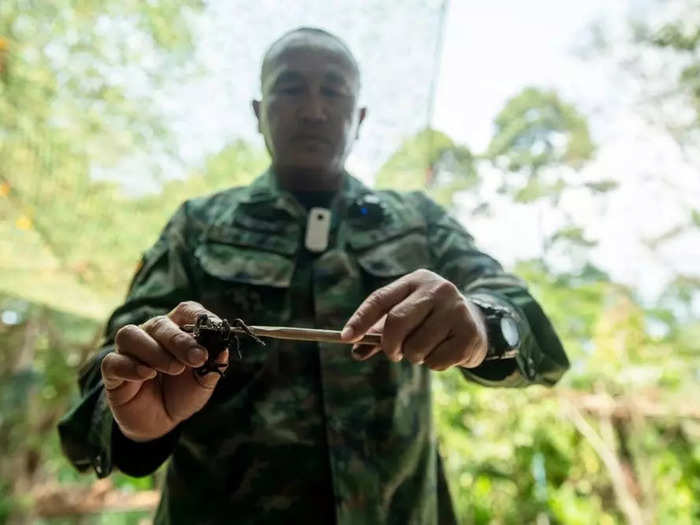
point(311, 138)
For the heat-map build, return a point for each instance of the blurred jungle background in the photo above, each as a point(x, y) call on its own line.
point(564, 135)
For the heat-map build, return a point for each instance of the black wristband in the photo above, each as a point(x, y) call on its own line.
point(501, 329)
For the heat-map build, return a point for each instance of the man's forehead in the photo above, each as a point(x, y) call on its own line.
point(309, 54)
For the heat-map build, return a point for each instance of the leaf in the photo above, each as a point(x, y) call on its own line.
point(695, 217)
point(603, 186)
point(573, 234)
point(537, 129)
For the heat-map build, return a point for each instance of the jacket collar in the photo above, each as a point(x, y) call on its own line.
point(266, 191)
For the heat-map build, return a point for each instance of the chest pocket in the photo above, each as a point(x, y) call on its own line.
point(246, 273)
point(386, 254)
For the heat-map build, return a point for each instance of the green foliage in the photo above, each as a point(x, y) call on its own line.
point(678, 36)
point(535, 130)
point(41, 255)
point(674, 41)
point(430, 161)
point(513, 455)
point(69, 104)
point(6, 501)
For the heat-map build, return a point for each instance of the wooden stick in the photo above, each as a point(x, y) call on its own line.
point(306, 334)
point(328, 336)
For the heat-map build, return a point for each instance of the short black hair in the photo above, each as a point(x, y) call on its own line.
point(315, 31)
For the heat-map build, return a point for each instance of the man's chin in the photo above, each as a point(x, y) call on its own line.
point(311, 166)
point(309, 175)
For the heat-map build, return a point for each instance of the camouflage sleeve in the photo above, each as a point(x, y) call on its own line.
point(88, 434)
point(541, 357)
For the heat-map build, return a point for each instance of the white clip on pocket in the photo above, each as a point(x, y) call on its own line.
point(318, 227)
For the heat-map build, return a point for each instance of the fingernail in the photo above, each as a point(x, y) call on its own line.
point(196, 356)
point(144, 371)
point(396, 358)
point(347, 332)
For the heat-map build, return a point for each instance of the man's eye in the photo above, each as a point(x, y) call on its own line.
point(331, 92)
point(290, 90)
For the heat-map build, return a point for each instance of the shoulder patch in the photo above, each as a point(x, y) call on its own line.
point(147, 261)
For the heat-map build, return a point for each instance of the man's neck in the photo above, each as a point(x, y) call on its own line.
point(295, 180)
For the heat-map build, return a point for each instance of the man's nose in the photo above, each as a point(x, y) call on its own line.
point(313, 109)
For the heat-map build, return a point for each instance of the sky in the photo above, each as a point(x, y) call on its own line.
point(491, 51)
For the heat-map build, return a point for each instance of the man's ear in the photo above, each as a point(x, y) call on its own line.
point(362, 112)
point(256, 110)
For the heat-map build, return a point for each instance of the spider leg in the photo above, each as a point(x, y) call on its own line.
point(211, 368)
point(239, 323)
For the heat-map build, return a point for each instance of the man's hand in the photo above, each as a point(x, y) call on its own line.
point(149, 378)
point(424, 318)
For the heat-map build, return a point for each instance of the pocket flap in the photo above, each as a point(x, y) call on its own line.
point(245, 265)
point(285, 243)
point(361, 238)
point(397, 257)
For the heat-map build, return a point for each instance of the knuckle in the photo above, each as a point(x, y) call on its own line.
point(423, 302)
point(194, 305)
point(179, 339)
point(413, 349)
point(189, 309)
point(184, 306)
point(159, 322)
point(445, 288)
point(373, 301)
point(423, 273)
point(412, 355)
point(125, 334)
point(393, 319)
point(462, 310)
point(107, 364)
point(377, 297)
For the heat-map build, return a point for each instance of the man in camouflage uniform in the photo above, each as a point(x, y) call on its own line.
point(303, 432)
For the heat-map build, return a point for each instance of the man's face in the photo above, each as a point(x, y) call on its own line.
point(308, 113)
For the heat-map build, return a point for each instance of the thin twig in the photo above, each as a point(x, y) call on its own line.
point(628, 504)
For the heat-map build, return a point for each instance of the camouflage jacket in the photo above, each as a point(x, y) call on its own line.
point(301, 432)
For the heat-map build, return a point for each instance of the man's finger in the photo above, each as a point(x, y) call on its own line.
point(188, 311)
point(362, 352)
point(179, 344)
point(446, 354)
point(117, 368)
point(402, 319)
point(137, 343)
point(377, 304)
point(187, 393)
point(425, 338)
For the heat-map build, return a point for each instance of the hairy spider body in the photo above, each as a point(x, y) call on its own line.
point(217, 336)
